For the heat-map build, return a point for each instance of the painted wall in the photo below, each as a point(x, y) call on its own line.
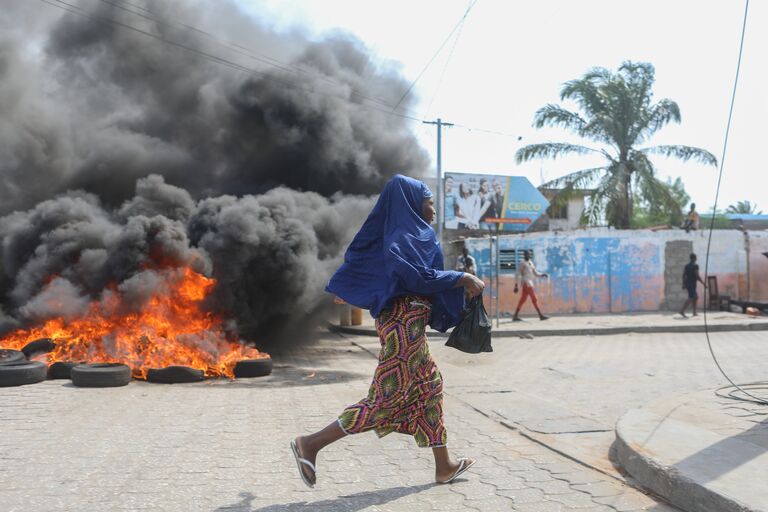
point(758, 265)
point(600, 270)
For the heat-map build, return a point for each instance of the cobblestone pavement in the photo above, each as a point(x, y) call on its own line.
point(568, 392)
point(223, 446)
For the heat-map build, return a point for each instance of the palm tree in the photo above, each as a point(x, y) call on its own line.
point(744, 207)
point(617, 114)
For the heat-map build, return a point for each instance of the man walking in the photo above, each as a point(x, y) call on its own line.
point(691, 278)
point(526, 271)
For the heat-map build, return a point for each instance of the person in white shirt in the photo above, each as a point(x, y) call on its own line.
point(526, 271)
point(469, 207)
point(466, 263)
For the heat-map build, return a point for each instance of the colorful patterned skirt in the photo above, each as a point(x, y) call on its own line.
point(406, 394)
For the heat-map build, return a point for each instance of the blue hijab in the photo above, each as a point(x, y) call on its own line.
point(396, 253)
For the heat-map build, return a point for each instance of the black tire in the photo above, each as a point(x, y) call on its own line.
point(41, 346)
point(101, 375)
point(18, 374)
point(249, 368)
point(175, 375)
point(62, 369)
point(8, 356)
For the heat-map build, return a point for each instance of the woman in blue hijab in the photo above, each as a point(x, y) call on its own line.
point(394, 268)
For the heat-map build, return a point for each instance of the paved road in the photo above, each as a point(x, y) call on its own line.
point(223, 446)
point(568, 392)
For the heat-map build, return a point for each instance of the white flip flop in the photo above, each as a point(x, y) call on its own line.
point(299, 462)
point(464, 464)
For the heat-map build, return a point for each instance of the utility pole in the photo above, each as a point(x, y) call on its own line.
point(439, 203)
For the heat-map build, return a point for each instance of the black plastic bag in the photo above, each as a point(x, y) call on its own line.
point(473, 334)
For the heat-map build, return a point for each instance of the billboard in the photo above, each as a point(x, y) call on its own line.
point(483, 201)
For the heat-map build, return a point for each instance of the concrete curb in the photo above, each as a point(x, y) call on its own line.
point(595, 331)
point(668, 482)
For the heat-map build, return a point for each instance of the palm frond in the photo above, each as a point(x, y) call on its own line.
point(684, 153)
point(743, 207)
point(656, 194)
point(639, 78)
point(569, 184)
point(555, 115)
point(604, 195)
point(660, 115)
point(551, 150)
point(577, 179)
point(586, 94)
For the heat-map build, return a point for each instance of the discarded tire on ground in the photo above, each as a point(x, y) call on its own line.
point(175, 375)
point(62, 369)
point(41, 346)
point(248, 368)
point(101, 375)
point(8, 356)
point(20, 373)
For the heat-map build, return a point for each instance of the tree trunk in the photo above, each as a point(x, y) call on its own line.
point(625, 215)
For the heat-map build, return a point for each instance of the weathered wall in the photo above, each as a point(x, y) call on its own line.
point(758, 266)
point(600, 270)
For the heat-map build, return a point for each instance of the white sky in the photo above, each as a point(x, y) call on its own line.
point(513, 56)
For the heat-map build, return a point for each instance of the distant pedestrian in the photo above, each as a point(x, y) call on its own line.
point(526, 271)
point(466, 263)
point(691, 278)
point(692, 219)
point(394, 268)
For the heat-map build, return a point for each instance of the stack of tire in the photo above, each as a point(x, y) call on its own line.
point(17, 370)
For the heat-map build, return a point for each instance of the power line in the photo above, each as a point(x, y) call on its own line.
point(73, 9)
point(752, 398)
point(458, 24)
point(445, 67)
point(492, 132)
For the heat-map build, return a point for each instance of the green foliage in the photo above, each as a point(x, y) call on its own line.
point(744, 208)
point(649, 213)
point(617, 115)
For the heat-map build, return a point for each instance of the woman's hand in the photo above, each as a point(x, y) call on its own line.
point(472, 284)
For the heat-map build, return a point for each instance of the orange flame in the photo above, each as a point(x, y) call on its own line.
point(169, 329)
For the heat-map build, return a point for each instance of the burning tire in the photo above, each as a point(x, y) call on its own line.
point(101, 375)
point(20, 373)
point(41, 346)
point(248, 368)
point(62, 369)
point(8, 356)
point(175, 375)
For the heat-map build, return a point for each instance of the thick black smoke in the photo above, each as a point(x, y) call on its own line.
point(122, 155)
point(87, 104)
point(270, 254)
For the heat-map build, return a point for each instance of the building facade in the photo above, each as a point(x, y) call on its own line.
point(601, 270)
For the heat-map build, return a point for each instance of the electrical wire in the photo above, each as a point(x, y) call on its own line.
point(754, 385)
point(384, 108)
point(445, 67)
point(491, 132)
point(74, 9)
point(448, 38)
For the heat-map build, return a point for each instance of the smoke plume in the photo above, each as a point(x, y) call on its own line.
point(122, 154)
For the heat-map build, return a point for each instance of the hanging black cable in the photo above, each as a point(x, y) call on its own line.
point(754, 385)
